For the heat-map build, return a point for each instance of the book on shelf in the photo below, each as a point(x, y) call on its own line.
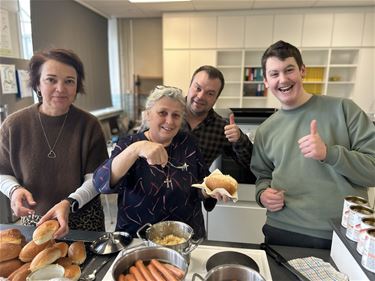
point(253, 74)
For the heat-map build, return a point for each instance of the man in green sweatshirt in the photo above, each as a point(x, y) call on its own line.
point(308, 156)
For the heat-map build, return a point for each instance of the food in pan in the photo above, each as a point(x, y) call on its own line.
point(152, 270)
point(227, 182)
point(169, 240)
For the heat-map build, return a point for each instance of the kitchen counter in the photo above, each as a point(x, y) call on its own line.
point(278, 272)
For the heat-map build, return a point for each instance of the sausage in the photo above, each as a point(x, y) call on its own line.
point(137, 274)
point(175, 270)
point(129, 277)
point(122, 277)
point(145, 272)
point(155, 273)
point(167, 274)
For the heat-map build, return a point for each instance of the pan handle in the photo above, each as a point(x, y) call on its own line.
point(194, 244)
point(142, 228)
point(197, 276)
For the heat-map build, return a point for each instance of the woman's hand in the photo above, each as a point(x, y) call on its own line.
point(154, 153)
point(22, 202)
point(272, 199)
point(60, 212)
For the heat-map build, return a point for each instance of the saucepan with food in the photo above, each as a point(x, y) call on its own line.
point(153, 262)
point(171, 234)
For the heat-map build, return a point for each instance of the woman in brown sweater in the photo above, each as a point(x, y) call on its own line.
point(49, 150)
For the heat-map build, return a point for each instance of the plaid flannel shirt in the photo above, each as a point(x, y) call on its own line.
point(212, 141)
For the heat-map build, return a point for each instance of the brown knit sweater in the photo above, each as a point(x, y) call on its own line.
point(23, 152)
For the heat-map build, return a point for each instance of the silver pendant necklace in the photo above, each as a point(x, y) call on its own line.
point(51, 154)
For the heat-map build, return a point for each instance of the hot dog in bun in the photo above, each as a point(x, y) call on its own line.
point(214, 181)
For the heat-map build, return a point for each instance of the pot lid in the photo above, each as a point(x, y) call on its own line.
point(231, 257)
point(110, 243)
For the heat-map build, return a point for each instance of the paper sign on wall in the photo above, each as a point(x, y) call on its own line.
point(8, 78)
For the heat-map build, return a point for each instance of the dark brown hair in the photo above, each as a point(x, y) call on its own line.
point(213, 73)
point(64, 56)
point(281, 50)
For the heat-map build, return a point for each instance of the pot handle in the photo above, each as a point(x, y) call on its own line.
point(197, 276)
point(139, 235)
point(194, 244)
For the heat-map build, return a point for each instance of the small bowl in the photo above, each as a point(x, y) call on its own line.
point(110, 243)
point(230, 272)
point(47, 273)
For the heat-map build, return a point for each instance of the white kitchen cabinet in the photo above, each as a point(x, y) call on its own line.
point(176, 31)
point(203, 32)
point(258, 31)
point(366, 83)
point(317, 30)
point(230, 33)
point(176, 70)
point(288, 28)
point(368, 39)
point(237, 222)
point(201, 57)
point(347, 29)
point(179, 65)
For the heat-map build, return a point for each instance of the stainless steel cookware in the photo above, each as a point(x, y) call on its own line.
point(162, 229)
point(227, 272)
point(145, 253)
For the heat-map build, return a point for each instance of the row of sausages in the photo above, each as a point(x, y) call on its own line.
point(154, 271)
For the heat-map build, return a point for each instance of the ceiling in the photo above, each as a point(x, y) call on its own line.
point(125, 9)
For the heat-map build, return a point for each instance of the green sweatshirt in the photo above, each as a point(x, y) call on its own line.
point(315, 190)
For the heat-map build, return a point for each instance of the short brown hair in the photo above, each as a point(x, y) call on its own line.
point(282, 50)
point(213, 73)
point(64, 56)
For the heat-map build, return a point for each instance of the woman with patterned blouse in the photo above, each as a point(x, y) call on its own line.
point(153, 171)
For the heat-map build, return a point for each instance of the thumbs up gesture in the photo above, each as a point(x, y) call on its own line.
point(231, 131)
point(311, 145)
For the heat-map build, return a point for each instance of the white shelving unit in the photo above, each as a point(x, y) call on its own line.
point(329, 71)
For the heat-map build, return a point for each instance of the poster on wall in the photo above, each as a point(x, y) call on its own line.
point(8, 78)
point(24, 90)
point(5, 39)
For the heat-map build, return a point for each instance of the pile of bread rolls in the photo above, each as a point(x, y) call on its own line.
point(18, 259)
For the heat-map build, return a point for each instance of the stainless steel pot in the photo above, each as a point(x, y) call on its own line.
point(227, 272)
point(164, 228)
point(144, 253)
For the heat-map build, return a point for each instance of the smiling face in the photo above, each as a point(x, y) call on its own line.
point(203, 93)
point(58, 87)
point(164, 119)
point(284, 79)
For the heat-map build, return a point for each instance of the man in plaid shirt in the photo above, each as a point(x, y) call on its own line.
point(213, 133)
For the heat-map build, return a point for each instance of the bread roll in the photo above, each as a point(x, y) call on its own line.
point(72, 272)
point(45, 257)
point(30, 250)
point(77, 252)
point(7, 267)
point(45, 231)
point(12, 235)
point(214, 181)
point(63, 248)
point(21, 273)
point(64, 261)
point(9, 251)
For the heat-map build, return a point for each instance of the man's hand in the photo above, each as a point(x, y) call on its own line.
point(312, 146)
point(272, 199)
point(231, 131)
point(60, 212)
point(22, 202)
